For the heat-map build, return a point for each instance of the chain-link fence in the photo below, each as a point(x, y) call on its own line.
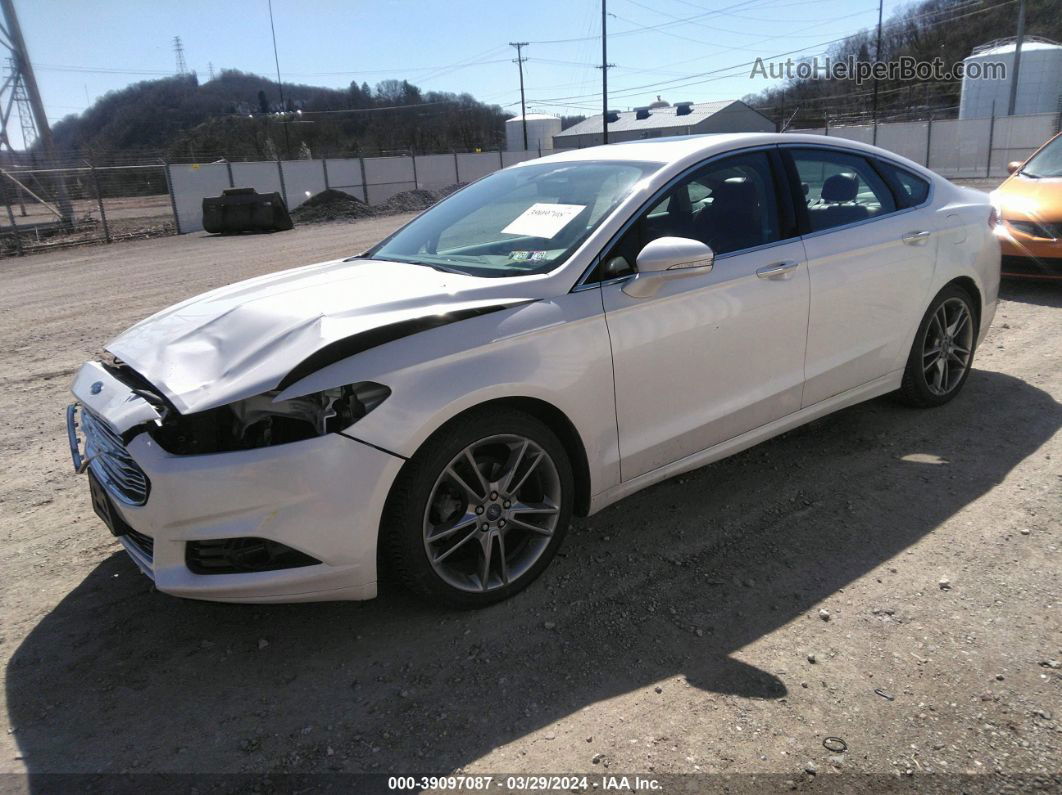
point(47, 208)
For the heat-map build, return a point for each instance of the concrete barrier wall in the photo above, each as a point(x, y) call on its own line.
point(302, 179)
point(371, 179)
point(344, 174)
point(957, 147)
point(512, 158)
point(1016, 137)
point(190, 185)
point(472, 166)
point(436, 171)
point(952, 148)
point(386, 176)
point(907, 139)
point(263, 177)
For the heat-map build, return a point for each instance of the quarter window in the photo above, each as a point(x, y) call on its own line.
point(840, 188)
point(911, 189)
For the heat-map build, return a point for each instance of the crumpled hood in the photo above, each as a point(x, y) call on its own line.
point(243, 339)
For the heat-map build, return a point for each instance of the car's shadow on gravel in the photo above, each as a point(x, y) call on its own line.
point(673, 581)
point(1032, 291)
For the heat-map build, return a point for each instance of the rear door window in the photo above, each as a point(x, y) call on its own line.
point(840, 188)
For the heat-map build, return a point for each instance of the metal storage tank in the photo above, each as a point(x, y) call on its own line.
point(1039, 79)
point(541, 127)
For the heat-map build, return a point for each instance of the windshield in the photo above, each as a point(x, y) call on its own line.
point(515, 222)
point(1047, 162)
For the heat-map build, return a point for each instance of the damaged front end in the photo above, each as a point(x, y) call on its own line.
point(263, 421)
point(130, 405)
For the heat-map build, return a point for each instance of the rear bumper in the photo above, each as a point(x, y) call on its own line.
point(323, 497)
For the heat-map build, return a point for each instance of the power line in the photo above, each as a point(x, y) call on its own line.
point(694, 79)
point(649, 27)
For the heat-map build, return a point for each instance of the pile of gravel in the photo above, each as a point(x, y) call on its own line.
point(331, 205)
point(335, 205)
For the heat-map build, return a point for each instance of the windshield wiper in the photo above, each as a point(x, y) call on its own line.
point(423, 264)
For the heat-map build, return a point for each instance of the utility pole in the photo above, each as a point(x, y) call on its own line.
point(519, 45)
point(210, 69)
point(280, 85)
point(22, 77)
point(1017, 58)
point(604, 72)
point(877, 57)
point(178, 49)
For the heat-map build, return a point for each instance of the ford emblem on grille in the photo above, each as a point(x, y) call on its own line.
point(96, 387)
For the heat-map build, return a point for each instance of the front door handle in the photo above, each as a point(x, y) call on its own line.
point(780, 270)
point(918, 238)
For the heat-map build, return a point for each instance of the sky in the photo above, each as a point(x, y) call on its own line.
point(689, 50)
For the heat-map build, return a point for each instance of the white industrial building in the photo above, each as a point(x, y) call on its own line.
point(541, 127)
point(1039, 79)
point(661, 119)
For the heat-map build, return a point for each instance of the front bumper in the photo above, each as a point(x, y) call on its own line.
point(323, 497)
point(1028, 256)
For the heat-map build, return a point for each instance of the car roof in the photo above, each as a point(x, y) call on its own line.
point(686, 148)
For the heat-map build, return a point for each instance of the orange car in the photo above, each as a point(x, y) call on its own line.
point(1029, 205)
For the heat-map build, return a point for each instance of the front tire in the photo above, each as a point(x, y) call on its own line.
point(943, 350)
point(479, 512)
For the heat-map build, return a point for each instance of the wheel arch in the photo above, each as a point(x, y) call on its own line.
point(554, 419)
point(969, 286)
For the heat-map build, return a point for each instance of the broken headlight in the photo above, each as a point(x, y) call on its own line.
point(262, 421)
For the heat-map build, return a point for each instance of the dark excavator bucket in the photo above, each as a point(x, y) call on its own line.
point(245, 210)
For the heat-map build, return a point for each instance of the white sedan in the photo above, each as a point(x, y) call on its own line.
point(542, 343)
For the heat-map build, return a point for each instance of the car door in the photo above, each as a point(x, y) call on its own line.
point(715, 354)
point(870, 262)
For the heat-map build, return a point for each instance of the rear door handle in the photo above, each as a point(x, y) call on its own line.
point(917, 238)
point(780, 270)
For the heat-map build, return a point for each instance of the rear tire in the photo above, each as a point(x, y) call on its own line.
point(481, 509)
point(943, 350)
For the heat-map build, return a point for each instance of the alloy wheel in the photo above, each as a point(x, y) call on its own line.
point(492, 513)
point(947, 346)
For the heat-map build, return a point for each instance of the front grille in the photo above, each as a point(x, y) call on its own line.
point(111, 462)
point(1050, 230)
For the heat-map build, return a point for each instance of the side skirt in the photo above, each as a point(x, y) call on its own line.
point(872, 389)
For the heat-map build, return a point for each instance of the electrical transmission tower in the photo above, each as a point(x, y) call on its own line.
point(19, 91)
point(20, 99)
point(178, 48)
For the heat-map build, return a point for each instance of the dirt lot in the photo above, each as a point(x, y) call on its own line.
point(680, 631)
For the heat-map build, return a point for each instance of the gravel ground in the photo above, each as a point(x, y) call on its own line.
point(886, 576)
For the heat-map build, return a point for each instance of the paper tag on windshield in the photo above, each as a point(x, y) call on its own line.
point(543, 220)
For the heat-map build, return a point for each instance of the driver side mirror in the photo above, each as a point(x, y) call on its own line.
point(1013, 166)
point(668, 258)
